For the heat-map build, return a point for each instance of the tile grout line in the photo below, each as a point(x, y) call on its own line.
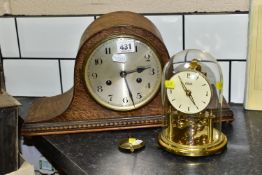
point(159, 14)
point(2, 75)
point(229, 83)
point(55, 58)
point(17, 37)
point(37, 58)
point(183, 32)
point(1, 55)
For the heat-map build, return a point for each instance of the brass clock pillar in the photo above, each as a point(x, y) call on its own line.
point(192, 100)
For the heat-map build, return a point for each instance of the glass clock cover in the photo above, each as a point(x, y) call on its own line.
point(191, 90)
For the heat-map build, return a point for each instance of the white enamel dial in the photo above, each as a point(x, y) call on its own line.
point(123, 73)
point(192, 92)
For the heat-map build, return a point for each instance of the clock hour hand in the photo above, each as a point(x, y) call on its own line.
point(139, 69)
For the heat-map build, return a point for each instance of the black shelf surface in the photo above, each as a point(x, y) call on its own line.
point(98, 154)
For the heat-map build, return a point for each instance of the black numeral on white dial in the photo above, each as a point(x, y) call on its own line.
point(139, 96)
point(98, 61)
point(153, 71)
point(125, 100)
point(147, 57)
point(99, 89)
point(94, 75)
point(110, 98)
point(107, 50)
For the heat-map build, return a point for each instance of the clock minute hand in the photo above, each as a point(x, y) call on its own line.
point(192, 99)
point(183, 86)
point(188, 92)
point(129, 91)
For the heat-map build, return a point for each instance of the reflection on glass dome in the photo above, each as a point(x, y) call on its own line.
point(192, 86)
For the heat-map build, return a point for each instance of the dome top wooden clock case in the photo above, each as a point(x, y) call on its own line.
point(117, 77)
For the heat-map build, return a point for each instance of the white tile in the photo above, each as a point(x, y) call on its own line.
point(67, 69)
point(51, 37)
point(225, 72)
point(32, 77)
point(8, 38)
point(238, 77)
point(170, 28)
point(223, 35)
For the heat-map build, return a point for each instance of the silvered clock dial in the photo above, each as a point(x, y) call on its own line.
point(123, 73)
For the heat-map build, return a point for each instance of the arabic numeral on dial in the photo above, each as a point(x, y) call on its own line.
point(148, 85)
point(125, 100)
point(107, 50)
point(94, 75)
point(99, 89)
point(110, 97)
point(147, 57)
point(153, 72)
point(98, 61)
point(139, 96)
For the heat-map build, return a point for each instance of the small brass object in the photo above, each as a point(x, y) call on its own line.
point(131, 144)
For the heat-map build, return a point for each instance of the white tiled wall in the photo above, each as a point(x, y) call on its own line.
point(51, 37)
point(225, 36)
point(170, 28)
point(8, 38)
point(48, 46)
point(238, 81)
point(32, 77)
point(67, 71)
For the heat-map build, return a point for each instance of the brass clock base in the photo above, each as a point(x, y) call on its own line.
point(217, 146)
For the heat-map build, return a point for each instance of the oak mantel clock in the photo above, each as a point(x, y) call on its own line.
point(117, 77)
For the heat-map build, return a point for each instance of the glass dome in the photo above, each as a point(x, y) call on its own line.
point(192, 86)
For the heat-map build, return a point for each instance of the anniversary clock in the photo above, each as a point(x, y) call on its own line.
point(117, 77)
point(192, 100)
